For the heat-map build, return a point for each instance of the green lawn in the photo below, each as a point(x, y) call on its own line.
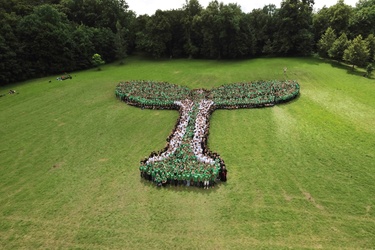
point(301, 175)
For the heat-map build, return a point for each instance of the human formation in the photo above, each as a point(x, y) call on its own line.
point(186, 160)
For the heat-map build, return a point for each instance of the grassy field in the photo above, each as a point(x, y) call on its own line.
point(301, 175)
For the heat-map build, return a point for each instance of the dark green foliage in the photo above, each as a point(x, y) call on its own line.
point(357, 52)
point(120, 43)
point(104, 42)
point(226, 31)
point(53, 36)
point(369, 70)
point(192, 35)
point(337, 17)
point(321, 22)
point(45, 37)
point(263, 26)
point(156, 34)
point(326, 41)
point(338, 47)
point(371, 46)
point(84, 47)
point(40, 38)
point(10, 67)
point(363, 18)
point(294, 34)
point(96, 13)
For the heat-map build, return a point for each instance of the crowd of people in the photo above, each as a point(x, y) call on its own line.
point(151, 94)
point(201, 131)
point(254, 94)
point(186, 159)
point(178, 134)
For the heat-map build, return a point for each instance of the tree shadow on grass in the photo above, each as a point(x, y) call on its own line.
point(349, 68)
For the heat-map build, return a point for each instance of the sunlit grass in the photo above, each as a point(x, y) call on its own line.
point(300, 175)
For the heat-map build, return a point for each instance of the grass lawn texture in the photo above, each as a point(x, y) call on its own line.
point(300, 175)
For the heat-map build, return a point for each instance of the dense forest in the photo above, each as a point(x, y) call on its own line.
point(42, 37)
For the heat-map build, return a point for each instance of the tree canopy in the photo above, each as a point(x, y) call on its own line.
point(39, 38)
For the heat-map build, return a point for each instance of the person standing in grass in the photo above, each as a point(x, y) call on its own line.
point(188, 179)
point(164, 180)
point(168, 177)
point(183, 178)
point(179, 178)
point(205, 181)
point(212, 181)
point(153, 175)
point(158, 180)
point(149, 174)
point(195, 179)
point(200, 180)
point(175, 180)
point(224, 174)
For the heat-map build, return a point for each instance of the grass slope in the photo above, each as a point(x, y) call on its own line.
point(300, 175)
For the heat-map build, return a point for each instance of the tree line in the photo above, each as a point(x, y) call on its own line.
point(42, 37)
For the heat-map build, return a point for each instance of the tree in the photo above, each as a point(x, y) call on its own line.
point(45, 41)
point(338, 47)
point(84, 48)
point(321, 22)
point(369, 70)
point(362, 20)
point(263, 24)
point(371, 46)
point(234, 33)
point(120, 43)
point(175, 46)
point(96, 13)
point(10, 63)
point(337, 17)
point(294, 35)
point(357, 52)
point(326, 41)
point(104, 43)
point(211, 24)
point(226, 31)
point(42, 37)
point(156, 34)
point(192, 10)
point(97, 61)
point(246, 37)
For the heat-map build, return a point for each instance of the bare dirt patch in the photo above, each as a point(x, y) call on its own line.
point(309, 197)
point(286, 196)
point(57, 165)
point(103, 160)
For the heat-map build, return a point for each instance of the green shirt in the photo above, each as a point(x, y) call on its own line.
point(195, 177)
